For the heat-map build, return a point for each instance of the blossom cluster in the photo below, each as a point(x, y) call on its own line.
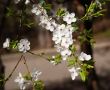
point(22, 82)
point(62, 36)
point(62, 33)
point(23, 45)
point(75, 70)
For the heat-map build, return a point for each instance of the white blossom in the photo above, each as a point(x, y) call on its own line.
point(21, 82)
point(27, 2)
point(35, 75)
point(38, 10)
point(83, 56)
point(48, 23)
point(6, 44)
point(43, 20)
point(74, 72)
point(65, 53)
point(69, 18)
point(24, 45)
point(62, 37)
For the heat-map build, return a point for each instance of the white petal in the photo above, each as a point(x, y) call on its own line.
point(88, 57)
point(73, 19)
point(72, 69)
point(73, 76)
point(81, 58)
point(27, 2)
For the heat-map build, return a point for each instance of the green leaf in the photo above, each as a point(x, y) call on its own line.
point(60, 12)
point(27, 77)
point(87, 66)
point(41, 1)
point(73, 48)
point(90, 66)
point(58, 59)
point(47, 6)
point(39, 85)
point(75, 26)
point(83, 75)
point(71, 61)
point(10, 12)
point(29, 25)
point(13, 44)
point(94, 10)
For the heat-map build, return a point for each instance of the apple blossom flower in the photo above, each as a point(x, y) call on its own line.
point(69, 18)
point(48, 23)
point(21, 82)
point(24, 45)
point(74, 72)
point(6, 44)
point(65, 53)
point(38, 10)
point(35, 75)
point(35, 10)
point(83, 56)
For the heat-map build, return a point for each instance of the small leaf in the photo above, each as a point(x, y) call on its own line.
point(29, 25)
point(47, 6)
point(27, 77)
point(39, 85)
point(60, 12)
point(87, 66)
point(13, 44)
point(58, 59)
point(73, 48)
point(41, 1)
point(10, 12)
point(71, 61)
point(83, 75)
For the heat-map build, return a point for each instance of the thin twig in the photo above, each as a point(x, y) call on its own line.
point(39, 55)
point(13, 70)
point(25, 63)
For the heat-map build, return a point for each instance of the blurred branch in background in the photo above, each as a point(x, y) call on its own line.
point(92, 83)
point(4, 4)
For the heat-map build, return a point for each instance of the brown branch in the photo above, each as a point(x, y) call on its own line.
point(13, 70)
point(25, 63)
